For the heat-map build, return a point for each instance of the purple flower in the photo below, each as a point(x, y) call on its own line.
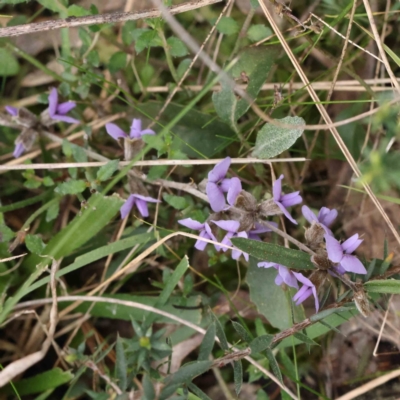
point(12, 110)
point(19, 149)
point(58, 111)
point(140, 202)
point(217, 185)
point(340, 253)
point(285, 200)
point(325, 216)
point(253, 234)
point(284, 274)
point(232, 231)
point(136, 131)
point(205, 232)
point(306, 290)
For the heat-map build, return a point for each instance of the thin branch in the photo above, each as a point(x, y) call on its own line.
point(147, 163)
point(72, 22)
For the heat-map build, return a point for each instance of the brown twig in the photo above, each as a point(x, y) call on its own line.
point(72, 22)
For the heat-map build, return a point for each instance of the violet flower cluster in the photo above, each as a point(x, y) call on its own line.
point(55, 112)
point(237, 213)
point(132, 144)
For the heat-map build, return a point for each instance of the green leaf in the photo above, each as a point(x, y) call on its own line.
point(52, 212)
point(71, 187)
point(255, 63)
point(177, 202)
point(77, 11)
point(207, 344)
point(121, 370)
point(177, 47)
point(145, 38)
point(305, 339)
point(169, 287)
point(100, 210)
point(55, 6)
point(117, 62)
point(156, 142)
point(127, 313)
point(223, 342)
point(258, 32)
point(238, 375)
point(187, 372)
point(260, 343)
point(96, 255)
point(270, 299)
point(40, 383)
point(245, 336)
point(390, 286)
point(9, 64)
point(106, 171)
point(6, 234)
point(293, 259)
point(198, 392)
point(227, 26)
point(274, 364)
point(34, 244)
point(273, 140)
point(127, 30)
point(148, 388)
point(14, 2)
point(215, 135)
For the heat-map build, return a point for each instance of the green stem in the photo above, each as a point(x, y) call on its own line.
point(34, 62)
point(168, 54)
point(38, 212)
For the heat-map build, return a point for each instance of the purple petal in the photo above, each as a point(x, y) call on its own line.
point(142, 207)
point(291, 199)
point(352, 264)
point(215, 197)
point(304, 293)
point(254, 236)
point(191, 224)
point(127, 206)
point(229, 226)
point(219, 171)
point(201, 244)
point(12, 110)
point(262, 229)
point(18, 150)
point(115, 131)
point(211, 235)
point(351, 244)
point(234, 190)
point(301, 278)
point(146, 198)
point(66, 107)
point(277, 188)
point(236, 253)
point(334, 249)
point(147, 132)
point(285, 212)
point(227, 241)
point(53, 102)
point(327, 216)
point(136, 129)
point(225, 184)
point(309, 215)
point(288, 276)
point(265, 264)
point(278, 280)
point(65, 118)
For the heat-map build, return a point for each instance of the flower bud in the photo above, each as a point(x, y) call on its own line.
point(132, 147)
point(314, 235)
point(269, 207)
